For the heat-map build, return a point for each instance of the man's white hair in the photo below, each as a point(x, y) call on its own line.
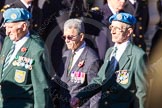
point(74, 23)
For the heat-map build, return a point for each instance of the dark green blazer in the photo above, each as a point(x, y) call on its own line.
point(124, 88)
point(24, 87)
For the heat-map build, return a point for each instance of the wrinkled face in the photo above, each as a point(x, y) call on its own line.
point(117, 5)
point(120, 32)
point(14, 30)
point(73, 40)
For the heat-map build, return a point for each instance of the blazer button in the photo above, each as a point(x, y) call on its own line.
point(107, 92)
point(140, 36)
point(106, 102)
point(139, 45)
point(140, 18)
point(35, 25)
point(140, 28)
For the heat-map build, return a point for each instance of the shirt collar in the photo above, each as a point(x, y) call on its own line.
point(112, 10)
point(22, 40)
point(122, 46)
point(133, 1)
point(26, 5)
point(81, 47)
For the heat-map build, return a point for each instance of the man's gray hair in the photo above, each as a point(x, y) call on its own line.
point(27, 23)
point(74, 23)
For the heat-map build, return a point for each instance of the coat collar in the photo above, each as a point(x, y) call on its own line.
point(106, 14)
point(126, 56)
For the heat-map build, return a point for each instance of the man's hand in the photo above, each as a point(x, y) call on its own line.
point(74, 102)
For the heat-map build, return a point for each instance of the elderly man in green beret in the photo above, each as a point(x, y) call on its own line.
point(24, 77)
point(122, 77)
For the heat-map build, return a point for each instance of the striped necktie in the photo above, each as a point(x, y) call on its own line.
point(6, 62)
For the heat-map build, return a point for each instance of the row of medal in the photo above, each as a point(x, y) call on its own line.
point(77, 77)
point(23, 62)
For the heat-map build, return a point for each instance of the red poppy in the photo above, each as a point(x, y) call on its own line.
point(23, 49)
point(81, 64)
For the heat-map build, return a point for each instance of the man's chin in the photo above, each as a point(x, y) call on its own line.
point(12, 39)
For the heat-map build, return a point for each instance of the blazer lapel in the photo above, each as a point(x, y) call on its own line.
point(125, 57)
point(107, 13)
point(81, 58)
point(6, 48)
point(20, 53)
point(65, 76)
point(108, 70)
point(68, 61)
point(107, 57)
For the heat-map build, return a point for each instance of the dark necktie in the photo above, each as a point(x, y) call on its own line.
point(113, 60)
point(70, 62)
point(110, 70)
point(7, 59)
point(111, 65)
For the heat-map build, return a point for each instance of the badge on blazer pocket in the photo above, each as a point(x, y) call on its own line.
point(122, 76)
point(20, 76)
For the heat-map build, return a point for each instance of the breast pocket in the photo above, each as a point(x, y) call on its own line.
point(22, 76)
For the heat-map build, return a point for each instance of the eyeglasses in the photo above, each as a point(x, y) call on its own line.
point(69, 37)
point(117, 28)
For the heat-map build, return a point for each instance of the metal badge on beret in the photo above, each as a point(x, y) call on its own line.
point(119, 17)
point(13, 16)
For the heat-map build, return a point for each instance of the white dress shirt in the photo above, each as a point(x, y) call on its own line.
point(26, 5)
point(78, 52)
point(112, 10)
point(18, 45)
point(120, 49)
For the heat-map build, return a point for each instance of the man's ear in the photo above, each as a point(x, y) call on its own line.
point(129, 31)
point(23, 26)
point(82, 36)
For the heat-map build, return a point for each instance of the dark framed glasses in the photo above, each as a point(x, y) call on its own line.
point(69, 37)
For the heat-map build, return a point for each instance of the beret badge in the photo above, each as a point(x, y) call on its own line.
point(119, 17)
point(13, 16)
